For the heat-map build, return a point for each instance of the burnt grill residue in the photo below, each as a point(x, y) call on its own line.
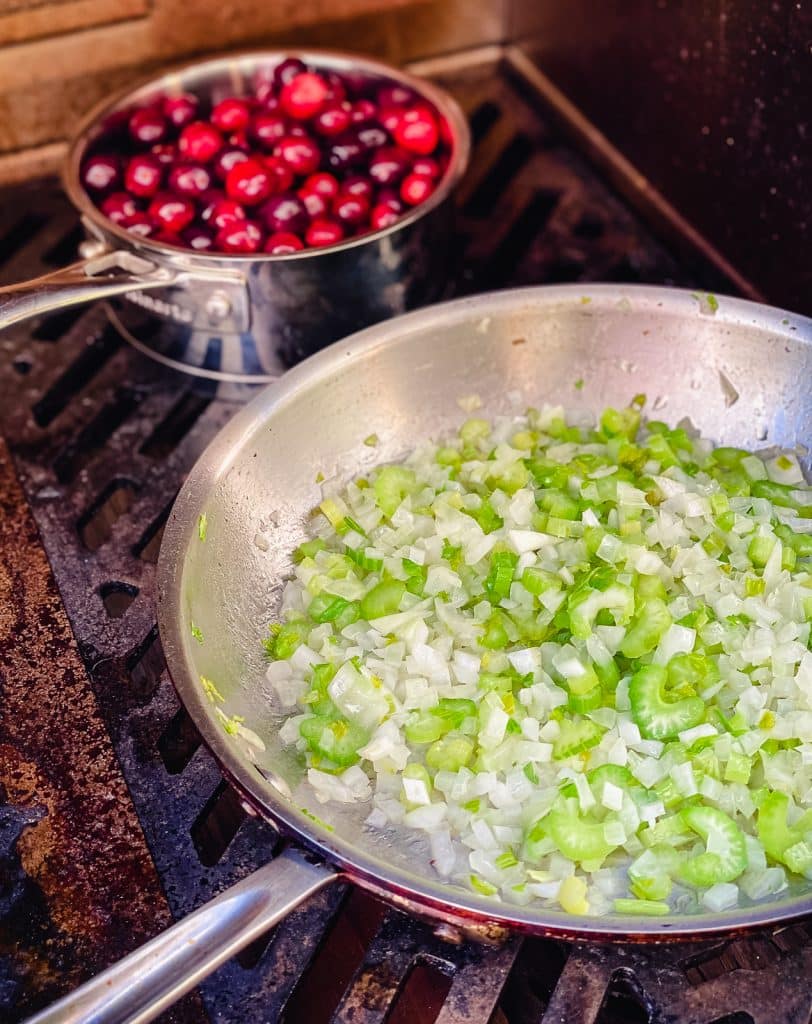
point(113, 817)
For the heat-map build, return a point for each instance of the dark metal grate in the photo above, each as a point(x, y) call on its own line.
point(101, 439)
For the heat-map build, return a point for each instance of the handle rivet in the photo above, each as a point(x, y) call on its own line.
point(92, 248)
point(218, 307)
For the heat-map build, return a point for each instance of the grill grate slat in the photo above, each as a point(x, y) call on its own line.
point(102, 440)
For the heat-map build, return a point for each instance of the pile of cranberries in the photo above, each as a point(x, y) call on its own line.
point(311, 158)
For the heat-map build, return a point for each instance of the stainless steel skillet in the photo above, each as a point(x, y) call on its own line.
point(740, 371)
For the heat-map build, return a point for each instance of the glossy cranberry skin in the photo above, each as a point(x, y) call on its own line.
point(345, 153)
point(357, 185)
point(180, 110)
point(302, 155)
point(322, 183)
point(200, 142)
point(167, 238)
point(285, 212)
point(143, 176)
point(101, 173)
point(363, 110)
point(316, 205)
point(226, 159)
point(267, 129)
point(372, 135)
point(224, 213)
point(304, 96)
point(390, 118)
point(231, 114)
point(249, 182)
point(332, 121)
point(416, 188)
point(282, 243)
point(119, 207)
point(282, 177)
point(417, 131)
point(391, 197)
point(190, 179)
point(351, 210)
point(244, 237)
point(198, 238)
point(171, 213)
point(395, 95)
point(382, 216)
point(140, 224)
point(286, 71)
point(147, 126)
point(388, 165)
point(324, 232)
point(164, 152)
point(427, 166)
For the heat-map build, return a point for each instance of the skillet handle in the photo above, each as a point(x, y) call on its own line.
point(139, 987)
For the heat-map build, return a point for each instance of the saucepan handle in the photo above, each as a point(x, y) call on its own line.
point(139, 987)
point(100, 277)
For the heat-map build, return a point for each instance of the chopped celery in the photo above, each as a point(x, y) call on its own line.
point(382, 599)
point(642, 907)
point(648, 626)
point(576, 737)
point(656, 713)
point(391, 486)
point(336, 739)
point(728, 857)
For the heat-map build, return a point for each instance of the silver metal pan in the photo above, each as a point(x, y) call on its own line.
point(740, 371)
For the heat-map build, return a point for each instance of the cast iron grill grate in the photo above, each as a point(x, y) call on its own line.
point(101, 439)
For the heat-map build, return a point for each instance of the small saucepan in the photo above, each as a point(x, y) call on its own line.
point(241, 319)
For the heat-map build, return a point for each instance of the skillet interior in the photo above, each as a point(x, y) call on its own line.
point(740, 371)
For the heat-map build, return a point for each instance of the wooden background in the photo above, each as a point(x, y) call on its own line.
point(60, 57)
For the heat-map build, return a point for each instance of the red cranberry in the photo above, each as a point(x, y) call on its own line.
point(180, 110)
point(357, 185)
point(345, 152)
point(167, 238)
point(332, 121)
point(164, 153)
point(390, 118)
point(119, 207)
point(382, 216)
point(200, 142)
point(226, 159)
point(249, 182)
point(198, 238)
point(283, 243)
point(244, 237)
point(231, 114)
point(388, 165)
point(287, 70)
point(324, 232)
point(416, 188)
point(427, 166)
point(285, 212)
point(140, 224)
point(143, 175)
point(147, 125)
point(418, 131)
point(101, 172)
point(303, 96)
point(190, 179)
point(302, 155)
point(362, 110)
point(316, 205)
point(336, 90)
point(224, 213)
point(268, 129)
point(391, 197)
point(324, 184)
point(351, 210)
point(281, 175)
point(172, 213)
point(395, 95)
point(372, 135)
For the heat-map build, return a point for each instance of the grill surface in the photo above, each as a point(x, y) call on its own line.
point(116, 819)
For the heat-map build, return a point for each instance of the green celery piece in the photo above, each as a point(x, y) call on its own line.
point(575, 835)
point(576, 737)
point(350, 614)
point(308, 549)
point(495, 637)
point(620, 422)
point(317, 699)
point(450, 753)
point(514, 477)
point(642, 907)
point(650, 587)
point(500, 577)
point(759, 550)
point(423, 727)
point(336, 739)
point(581, 703)
point(658, 448)
point(617, 774)
point(485, 516)
point(608, 673)
point(537, 581)
point(326, 607)
point(382, 599)
point(656, 716)
point(474, 430)
point(359, 557)
point(776, 835)
point(454, 710)
point(448, 457)
point(583, 606)
point(286, 639)
point(391, 486)
point(652, 887)
point(417, 574)
point(738, 768)
point(800, 543)
point(798, 857)
point(647, 627)
point(781, 494)
point(729, 458)
point(730, 857)
point(560, 505)
point(691, 672)
point(547, 473)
